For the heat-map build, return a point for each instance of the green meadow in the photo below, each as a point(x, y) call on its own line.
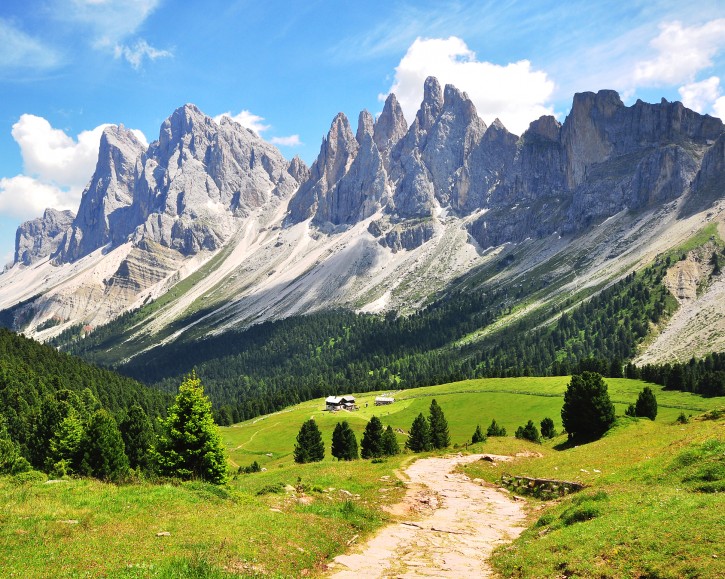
point(647, 512)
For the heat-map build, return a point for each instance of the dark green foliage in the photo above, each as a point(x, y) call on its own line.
point(478, 435)
point(190, 446)
point(419, 439)
point(682, 419)
point(495, 430)
point(254, 467)
point(631, 411)
point(372, 440)
point(309, 447)
point(587, 412)
point(390, 442)
point(646, 405)
point(139, 438)
point(11, 461)
point(344, 443)
point(103, 450)
point(439, 436)
point(528, 432)
point(547, 428)
point(705, 376)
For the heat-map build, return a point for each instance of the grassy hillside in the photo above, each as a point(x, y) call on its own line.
point(256, 526)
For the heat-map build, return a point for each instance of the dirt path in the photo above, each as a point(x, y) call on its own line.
point(455, 525)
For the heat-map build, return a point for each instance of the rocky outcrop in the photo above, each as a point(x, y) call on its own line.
point(39, 238)
point(103, 215)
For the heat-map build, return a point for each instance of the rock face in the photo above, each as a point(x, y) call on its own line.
point(103, 215)
point(605, 158)
point(38, 238)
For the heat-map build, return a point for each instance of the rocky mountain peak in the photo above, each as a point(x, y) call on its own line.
point(39, 238)
point(298, 170)
point(391, 125)
point(186, 129)
point(365, 126)
point(432, 104)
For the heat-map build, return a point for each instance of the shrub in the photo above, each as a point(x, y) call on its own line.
point(646, 405)
point(495, 430)
point(478, 435)
point(528, 432)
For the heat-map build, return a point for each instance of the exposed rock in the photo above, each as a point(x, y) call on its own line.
point(103, 215)
point(408, 235)
point(39, 238)
point(298, 170)
point(390, 127)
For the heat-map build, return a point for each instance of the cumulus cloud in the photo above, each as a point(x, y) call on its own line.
point(700, 96)
point(290, 141)
point(56, 167)
point(25, 198)
point(19, 50)
point(514, 93)
point(134, 55)
point(247, 119)
point(681, 52)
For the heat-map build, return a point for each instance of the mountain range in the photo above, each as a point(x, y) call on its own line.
point(210, 228)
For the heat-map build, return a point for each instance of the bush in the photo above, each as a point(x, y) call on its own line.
point(646, 405)
point(478, 435)
point(495, 430)
point(528, 432)
point(547, 428)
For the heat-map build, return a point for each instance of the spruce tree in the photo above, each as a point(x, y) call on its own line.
point(309, 447)
point(419, 436)
point(528, 432)
point(587, 412)
point(104, 455)
point(372, 440)
point(646, 405)
point(439, 436)
point(344, 443)
point(64, 456)
point(478, 435)
point(547, 428)
point(190, 445)
point(390, 442)
point(138, 438)
point(495, 430)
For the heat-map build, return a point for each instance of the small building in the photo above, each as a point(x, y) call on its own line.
point(334, 403)
point(383, 400)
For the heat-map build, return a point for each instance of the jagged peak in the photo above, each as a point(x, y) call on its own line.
point(546, 126)
point(432, 93)
point(605, 102)
point(391, 125)
point(365, 125)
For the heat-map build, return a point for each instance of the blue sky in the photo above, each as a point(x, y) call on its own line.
point(285, 68)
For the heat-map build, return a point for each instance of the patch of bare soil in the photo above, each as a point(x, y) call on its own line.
point(451, 525)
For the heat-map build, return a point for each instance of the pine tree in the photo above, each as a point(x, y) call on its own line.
point(190, 445)
point(103, 450)
point(646, 405)
point(138, 438)
point(438, 427)
point(309, 447)
point(547, 428)
point(528, 432)
point(419, 436)
point(64, 455)
point(372, 440)
point(587, 412)
point(478, 435)
point(344, 443)
point(390, 442)
point(495, 430)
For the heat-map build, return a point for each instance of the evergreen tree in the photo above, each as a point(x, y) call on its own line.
point(309, 447)
point(372, 440)
point(344, 443)
point(11, 461)
point(190, 445)
point(478, 435)
point(547, 428)
point(390, 442)
point(138, 438)
point(495, 430)
point(528, 432)
point(103, 450)
point(439, 436)
point(587, 412)
point(64, 455)
point(419, 436)
point(646, 405)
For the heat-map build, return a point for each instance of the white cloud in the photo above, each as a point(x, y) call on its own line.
point(142, 49)
point(290, 141)
point(19, 50)
point(718, 108)
point(56, 167)
point(25, 198)
point(247, 119)
point(514, 93)
point(699, 96)
point(110, 20)
point(682, 52)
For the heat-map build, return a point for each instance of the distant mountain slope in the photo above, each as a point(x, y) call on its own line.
point(210, 229)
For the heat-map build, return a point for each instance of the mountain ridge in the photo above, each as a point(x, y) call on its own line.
point(384, 218)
